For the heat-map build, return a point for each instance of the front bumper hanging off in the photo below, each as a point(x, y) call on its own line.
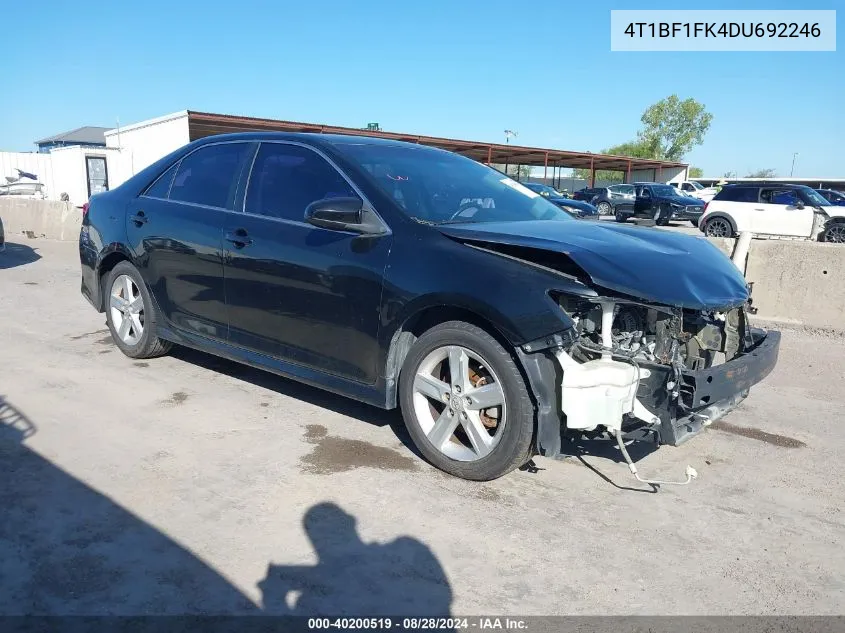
point(682, 408)
point(706, 395)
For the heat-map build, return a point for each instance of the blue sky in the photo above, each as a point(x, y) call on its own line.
point(460, 68)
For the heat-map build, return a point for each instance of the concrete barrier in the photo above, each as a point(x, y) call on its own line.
point(799, 282)
point(40, 218)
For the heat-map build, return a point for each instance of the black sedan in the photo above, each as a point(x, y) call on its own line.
point(403, 275)
point(577, 208)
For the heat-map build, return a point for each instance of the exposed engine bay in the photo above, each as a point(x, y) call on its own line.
point(636, 365)
point(695, 339)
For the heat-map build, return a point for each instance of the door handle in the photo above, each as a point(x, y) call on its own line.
point(759, 209)
point(239, 238)
point(139, 218)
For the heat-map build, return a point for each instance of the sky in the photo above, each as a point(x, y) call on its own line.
point(462, 68)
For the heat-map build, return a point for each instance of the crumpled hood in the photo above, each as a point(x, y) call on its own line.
point(651, 264)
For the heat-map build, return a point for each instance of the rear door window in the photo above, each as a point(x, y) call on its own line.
point(209, 176)
point(285, 179)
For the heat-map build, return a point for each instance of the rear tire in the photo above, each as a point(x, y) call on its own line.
point(443, 417)
point(621, 217)
point(718, 227)
point(131, 314)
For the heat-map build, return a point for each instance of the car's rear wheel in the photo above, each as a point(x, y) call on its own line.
point(131, 314)
point(465, 403)
point(835, 232)
point(621, 217)
point(605, 208)
point(718, 227)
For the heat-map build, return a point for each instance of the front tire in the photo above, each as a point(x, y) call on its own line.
point(605, 208)
point(131, 314)
point(465, 403)
point(835, 232)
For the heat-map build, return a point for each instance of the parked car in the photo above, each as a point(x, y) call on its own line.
point(662, 203)
point(2, 236)
point(695, 190)
point(576, 208)
point(586, 194)
point(404, 275)
point(609, 199)
point(836, 198)
point(547, 191)
point(773, 210)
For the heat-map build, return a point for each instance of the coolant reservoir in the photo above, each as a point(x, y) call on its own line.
point(598, 393)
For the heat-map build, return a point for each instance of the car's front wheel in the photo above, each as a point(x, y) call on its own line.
point(131, 314)
point(605, 208)
point(835, 232)
point(465, 403)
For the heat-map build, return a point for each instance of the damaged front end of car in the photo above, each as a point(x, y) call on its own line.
point(660, 344)
point(657, 372)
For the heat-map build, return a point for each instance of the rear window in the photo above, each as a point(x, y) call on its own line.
point(738, 194)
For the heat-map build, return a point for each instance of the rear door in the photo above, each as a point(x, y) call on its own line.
point(781, 212)
point(306, 294)
point(643, 202)
point(175, 229)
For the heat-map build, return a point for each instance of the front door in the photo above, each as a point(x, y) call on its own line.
point(781, 212)
point(175, 229)
point(306, 294)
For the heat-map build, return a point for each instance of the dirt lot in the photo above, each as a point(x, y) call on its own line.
point(188, 484)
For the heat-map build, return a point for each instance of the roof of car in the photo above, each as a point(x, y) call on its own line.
point(762, 183)
point(313, 138)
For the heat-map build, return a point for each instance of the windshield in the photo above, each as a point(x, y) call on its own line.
point(814, 197)
point(438, 187)
point(696, 185)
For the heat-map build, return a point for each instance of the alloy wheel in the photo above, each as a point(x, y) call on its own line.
point(127, 310)
point(459, 403)
point(835, 233)
point(604, 208)
point(717, 227)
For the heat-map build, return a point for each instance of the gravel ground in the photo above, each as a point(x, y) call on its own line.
point(190, 484)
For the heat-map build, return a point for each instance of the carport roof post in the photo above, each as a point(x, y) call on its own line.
point(201, 124)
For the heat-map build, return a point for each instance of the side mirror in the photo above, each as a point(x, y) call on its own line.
point(799, 205)
point(343, 214)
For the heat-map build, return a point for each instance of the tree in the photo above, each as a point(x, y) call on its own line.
point(673, 127)
point(761, 173)
point(695, 172)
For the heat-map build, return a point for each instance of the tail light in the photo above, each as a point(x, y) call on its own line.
point(706, 204)
point(85, 208)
